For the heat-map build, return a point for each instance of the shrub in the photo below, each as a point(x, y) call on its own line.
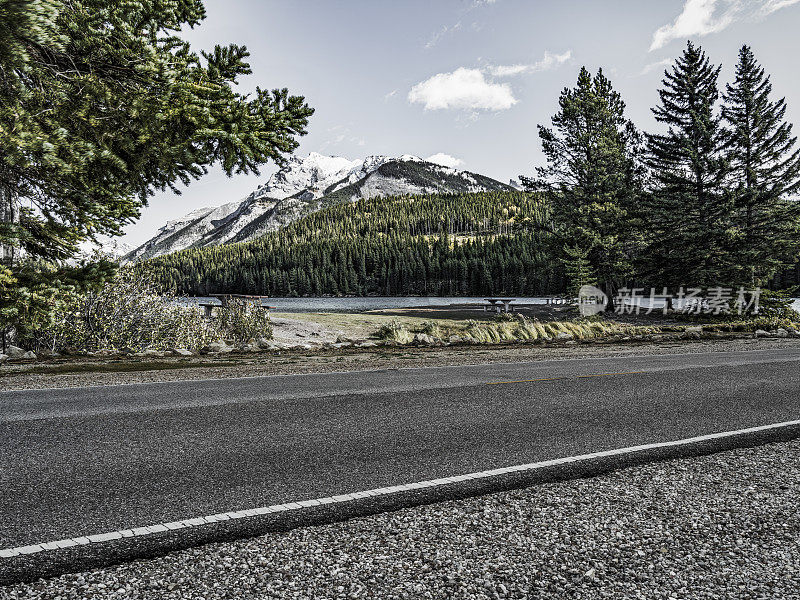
point(395, 331)
point(431, 328)
point(126, 313)
point(242, 321)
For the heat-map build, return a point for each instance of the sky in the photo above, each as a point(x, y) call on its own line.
point(466, 81)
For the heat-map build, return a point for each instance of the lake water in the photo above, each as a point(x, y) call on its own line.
point(365, 304)
point(378, 303)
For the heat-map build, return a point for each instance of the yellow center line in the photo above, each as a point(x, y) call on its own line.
point(563, 378)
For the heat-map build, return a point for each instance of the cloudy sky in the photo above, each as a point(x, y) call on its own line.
point(467, 81)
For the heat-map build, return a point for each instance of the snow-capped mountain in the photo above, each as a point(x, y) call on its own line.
point(108, 247)
point(305, 185)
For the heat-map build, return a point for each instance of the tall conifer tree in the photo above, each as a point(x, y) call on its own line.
point(101, 104)
point(765, 174)
point(688, 211)
point(592, 179)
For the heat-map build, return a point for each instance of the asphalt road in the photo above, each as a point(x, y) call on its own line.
point(88, 460)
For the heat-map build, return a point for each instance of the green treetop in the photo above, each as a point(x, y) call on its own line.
point(592, 179)
point(765, 174)
point(101, 104)
point(688, 209)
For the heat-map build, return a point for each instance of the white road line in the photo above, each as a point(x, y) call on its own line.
point(384, 491)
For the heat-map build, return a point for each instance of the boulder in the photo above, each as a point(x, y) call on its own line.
point(183, 352)
point(3, 358)
point(15, 352)
point(761, 333)
point(153, 353)
point(781, 333)
point(423, 339)
point(265, 343)
point(694, 329)
point(29, 355)
point(455, 339)
point(218, 348)
point(563, 336)
point(366, 344)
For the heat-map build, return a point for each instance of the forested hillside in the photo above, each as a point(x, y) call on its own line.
point(464, 244)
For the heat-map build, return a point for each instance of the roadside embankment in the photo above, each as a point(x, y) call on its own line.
point(111, 370)
point(719, 526)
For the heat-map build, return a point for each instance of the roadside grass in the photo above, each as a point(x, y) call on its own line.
point(509, 329)
point(364, 325)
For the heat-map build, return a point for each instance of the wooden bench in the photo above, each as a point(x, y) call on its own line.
point(499, 304)
point(224, 299)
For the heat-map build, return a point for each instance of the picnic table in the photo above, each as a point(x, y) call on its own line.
point(224, 299)
point(499, 304)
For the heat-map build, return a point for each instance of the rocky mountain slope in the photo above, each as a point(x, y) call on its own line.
point(305, 185)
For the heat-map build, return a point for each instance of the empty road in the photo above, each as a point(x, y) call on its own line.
point(83, 461)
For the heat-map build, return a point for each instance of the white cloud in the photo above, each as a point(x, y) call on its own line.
point(699, 17)
point(703, 17)
point(445, 30)
point(440, 158)
point(549, 61)
point(653, 66)
point(389, 95)
point(465, 89)
point(770, 6)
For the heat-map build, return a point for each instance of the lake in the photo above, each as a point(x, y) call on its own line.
point(378, 303)
point(366, 303)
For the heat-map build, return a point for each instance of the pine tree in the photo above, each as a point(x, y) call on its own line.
point(593, 177)
point(101, 104)
point(688, 211)
point(765, 172)
point(578, 270)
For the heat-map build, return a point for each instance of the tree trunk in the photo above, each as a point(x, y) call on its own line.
point(9, 215)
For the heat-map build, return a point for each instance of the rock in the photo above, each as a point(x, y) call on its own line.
point(391, 343)
point(183, 352)
point(562, 336)
point(3, 358)
point(251, 348)
point(366, 344)
point(29, 355)
point(15, 352)
point(46, 353)
point(302, 347)
point(572, 343)
point(265, 343)
point(455, 339)
point(153, 353)
point(781, 333)
point(423, 339)
point(219, 348)
point(694, 329)
point(761, 333)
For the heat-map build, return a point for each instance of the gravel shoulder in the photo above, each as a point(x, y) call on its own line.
point(720, 526)
point(97, 372)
